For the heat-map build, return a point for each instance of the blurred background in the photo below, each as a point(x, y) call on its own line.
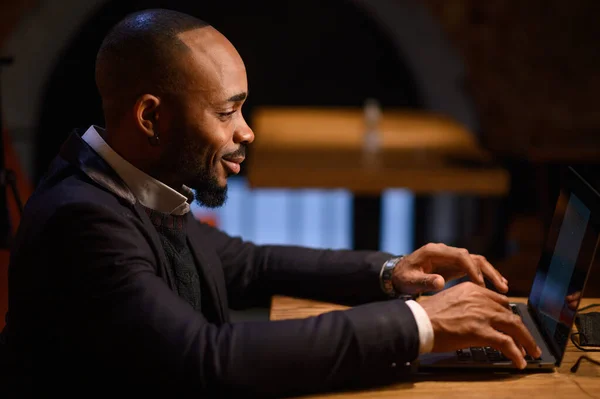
point(380, 124)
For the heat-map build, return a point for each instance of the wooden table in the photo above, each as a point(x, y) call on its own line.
point(558, 384)
point(322, 148)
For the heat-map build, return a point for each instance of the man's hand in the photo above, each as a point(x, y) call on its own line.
point(469, 315)
point(431, 266)
point(572, 300)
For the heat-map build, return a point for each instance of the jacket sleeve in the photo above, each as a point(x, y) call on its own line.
point(254, 273)
point(125, 317)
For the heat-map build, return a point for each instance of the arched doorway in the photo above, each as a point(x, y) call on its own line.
point(297, 53)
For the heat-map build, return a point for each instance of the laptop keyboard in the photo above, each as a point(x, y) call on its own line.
point(488, 354)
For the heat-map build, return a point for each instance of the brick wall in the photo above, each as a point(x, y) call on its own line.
point(533, 70)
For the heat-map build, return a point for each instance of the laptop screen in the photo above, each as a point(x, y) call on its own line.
point(565, 262)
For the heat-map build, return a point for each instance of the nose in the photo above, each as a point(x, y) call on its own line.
point(243, 133)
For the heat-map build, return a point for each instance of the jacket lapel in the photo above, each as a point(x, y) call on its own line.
point(210, 270)
point(77, 152)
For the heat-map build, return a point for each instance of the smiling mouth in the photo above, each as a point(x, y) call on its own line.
point(233, 164)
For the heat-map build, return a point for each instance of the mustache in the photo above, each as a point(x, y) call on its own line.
point(240, 152)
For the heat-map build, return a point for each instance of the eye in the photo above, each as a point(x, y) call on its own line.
point(226, 115)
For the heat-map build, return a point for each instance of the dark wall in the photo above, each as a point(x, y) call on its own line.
point(308, 52)
point(534, 72)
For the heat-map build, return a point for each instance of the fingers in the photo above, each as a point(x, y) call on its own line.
point(430, 282)
point(500, 299)
point(574, 296)
point(427, 282)
point(572, 300)
point(475, 266)
point(507, 346)
point(460, 257)
point(512, 325)
point(491, 273)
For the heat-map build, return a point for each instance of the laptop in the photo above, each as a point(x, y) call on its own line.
point(560, 278)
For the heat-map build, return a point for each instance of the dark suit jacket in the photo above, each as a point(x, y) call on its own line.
point(92, 302)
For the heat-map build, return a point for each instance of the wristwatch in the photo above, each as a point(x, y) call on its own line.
point(385, 277)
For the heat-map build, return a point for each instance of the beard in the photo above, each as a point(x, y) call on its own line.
point(208, 192)
point(187, 157)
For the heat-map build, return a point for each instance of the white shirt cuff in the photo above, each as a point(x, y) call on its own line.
point(423, 326)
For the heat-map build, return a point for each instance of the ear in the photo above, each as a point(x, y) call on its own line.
point(146, 113)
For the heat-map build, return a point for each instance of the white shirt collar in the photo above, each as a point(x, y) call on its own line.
point(150, 192)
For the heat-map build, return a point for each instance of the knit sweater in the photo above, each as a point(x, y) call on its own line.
point(172, 232)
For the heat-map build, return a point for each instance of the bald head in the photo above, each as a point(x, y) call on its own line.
point(172, 90)
point(142, 54)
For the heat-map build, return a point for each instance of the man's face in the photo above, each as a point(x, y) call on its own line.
point(207, 134)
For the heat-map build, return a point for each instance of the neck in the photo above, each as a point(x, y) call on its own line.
point(170, 180)
point(137, 150)
point(131, 149)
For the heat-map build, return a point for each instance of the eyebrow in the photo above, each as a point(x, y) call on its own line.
point(237, 97)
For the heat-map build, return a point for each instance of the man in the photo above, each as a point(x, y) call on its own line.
point(114, 283)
